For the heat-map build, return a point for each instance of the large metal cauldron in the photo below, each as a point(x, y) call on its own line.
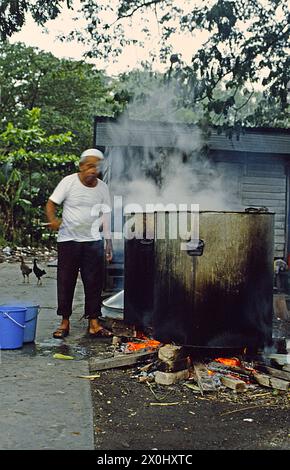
point(220, 295)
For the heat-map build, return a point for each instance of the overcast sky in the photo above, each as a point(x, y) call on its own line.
point(33, 35)
point(185, 45)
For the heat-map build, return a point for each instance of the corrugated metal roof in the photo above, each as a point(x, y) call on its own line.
point(109, 132)
point(264, 142)
point(146, 134)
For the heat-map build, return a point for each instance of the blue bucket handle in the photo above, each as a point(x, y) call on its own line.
point(12, 319)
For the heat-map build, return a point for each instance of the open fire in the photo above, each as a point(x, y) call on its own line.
point(149, 344)
point(201, 369)
point(228, 362)
point(141, 343)
point(169, 363)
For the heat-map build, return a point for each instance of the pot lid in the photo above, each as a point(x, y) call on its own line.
point(116, 301)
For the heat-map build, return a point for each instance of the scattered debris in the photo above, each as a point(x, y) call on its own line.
point(281, 359)
point(7, 251)
point(234, 383)
point(118, 327)
point(62, 356)
point(89, 377)
point(169, 378)
point(280, 374)
point(165, 404)
point(169, 364)
point(121, 360)
point(193, 387)
point(203, 378)
point(13, 254)
point(272, 382)
point(170, 354)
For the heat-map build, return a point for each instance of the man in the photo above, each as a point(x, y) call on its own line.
point(79, 243)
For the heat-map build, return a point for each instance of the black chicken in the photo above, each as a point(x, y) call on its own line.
point(38, 272)
point(26, 270)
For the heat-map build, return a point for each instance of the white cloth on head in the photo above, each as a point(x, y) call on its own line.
point(92, 153)
point(82, 206)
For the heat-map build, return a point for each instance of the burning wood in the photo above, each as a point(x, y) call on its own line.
point(272, 382)
point(148, 344)
point(234, 383)
point(170, 364)
point(204, 378)
point(127, 353)
point(243, 371)
point(280, 374)
point(121, 360)
point(169, 378)
point(221, 373)
point(234, 362)
point(281, 359)
point(170, 353)
point(174, 358)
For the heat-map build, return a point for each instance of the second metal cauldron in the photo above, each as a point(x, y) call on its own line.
point(221, 296)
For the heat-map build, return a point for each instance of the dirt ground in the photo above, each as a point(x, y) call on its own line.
point(134, 415)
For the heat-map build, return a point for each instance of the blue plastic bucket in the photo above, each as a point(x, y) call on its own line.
point(12, 326)
point(30, 320)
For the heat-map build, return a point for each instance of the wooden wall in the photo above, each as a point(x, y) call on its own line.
point(261, 180)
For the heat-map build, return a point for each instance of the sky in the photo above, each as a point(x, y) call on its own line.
point(33, 35)
point(184, 44)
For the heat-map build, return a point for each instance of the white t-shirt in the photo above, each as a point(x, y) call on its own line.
point(82, 208)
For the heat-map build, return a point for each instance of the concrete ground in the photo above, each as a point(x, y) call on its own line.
point(44, 402)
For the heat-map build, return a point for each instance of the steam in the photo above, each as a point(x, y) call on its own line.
point(151, 162)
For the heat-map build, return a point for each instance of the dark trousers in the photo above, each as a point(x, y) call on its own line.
point(88, 258)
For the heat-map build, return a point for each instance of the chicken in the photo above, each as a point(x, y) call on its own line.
point(38, 272)
point(26, 270)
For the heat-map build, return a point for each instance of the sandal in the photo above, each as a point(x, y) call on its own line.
point(61, 333)
point(102, 333)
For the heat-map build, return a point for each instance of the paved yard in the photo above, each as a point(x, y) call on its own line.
point(44, 403)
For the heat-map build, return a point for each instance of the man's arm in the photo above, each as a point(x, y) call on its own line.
point(106, 222)
point(50, 210)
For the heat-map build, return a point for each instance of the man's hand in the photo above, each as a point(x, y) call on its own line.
point(109, 251)
point(55, 224)
point(50, 209)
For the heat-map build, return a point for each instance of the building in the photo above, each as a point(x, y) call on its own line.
point(256, 162)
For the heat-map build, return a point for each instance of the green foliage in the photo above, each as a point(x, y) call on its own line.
point(247, 44)
point(30, 168)
point(13, 13)
point(70, 93)
point(148, 95)
point(41, 146)
point(247, 47)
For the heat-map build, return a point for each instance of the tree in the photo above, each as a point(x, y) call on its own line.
point(68, 92)
point(13, 13)
point(247, 46)
point(148, 95)
point(30, 167)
